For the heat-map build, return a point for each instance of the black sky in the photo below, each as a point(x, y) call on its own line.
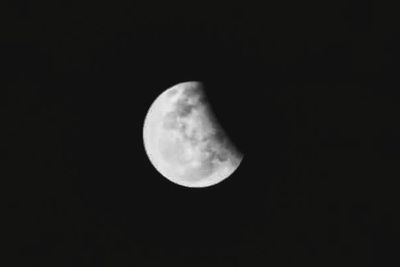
point(307, 90)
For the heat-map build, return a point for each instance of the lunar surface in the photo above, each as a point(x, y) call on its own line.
point(184, 140)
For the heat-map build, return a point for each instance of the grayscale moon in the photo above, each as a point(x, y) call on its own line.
point(184, 141)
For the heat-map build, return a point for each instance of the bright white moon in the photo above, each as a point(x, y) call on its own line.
point(184, 141)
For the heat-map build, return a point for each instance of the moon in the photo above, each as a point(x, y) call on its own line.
point(184, 140)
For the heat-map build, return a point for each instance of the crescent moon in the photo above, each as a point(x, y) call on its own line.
point(205, 158)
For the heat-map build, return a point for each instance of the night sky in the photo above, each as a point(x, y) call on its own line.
point(308, 91)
